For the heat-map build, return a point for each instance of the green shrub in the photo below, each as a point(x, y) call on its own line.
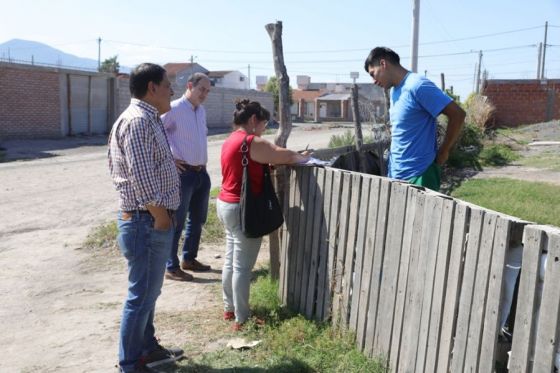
point(497, 155)
point(347, 139)
point(479, 110)
point(466, 151)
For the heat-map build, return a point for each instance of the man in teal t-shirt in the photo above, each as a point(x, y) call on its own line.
point(415, 104)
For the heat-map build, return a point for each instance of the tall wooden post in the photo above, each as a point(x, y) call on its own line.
point(358, 127)
point(274, 31)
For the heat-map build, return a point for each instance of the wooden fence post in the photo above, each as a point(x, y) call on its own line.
point(274, 31)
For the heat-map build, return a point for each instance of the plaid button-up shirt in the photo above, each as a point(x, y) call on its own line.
point(140, 161)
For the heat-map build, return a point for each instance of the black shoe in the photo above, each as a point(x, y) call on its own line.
point(161, 355)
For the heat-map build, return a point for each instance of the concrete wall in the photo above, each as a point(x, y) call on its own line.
point(219, 104)
point(524, 101)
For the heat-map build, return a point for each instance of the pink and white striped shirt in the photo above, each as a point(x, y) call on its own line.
point(186, 131)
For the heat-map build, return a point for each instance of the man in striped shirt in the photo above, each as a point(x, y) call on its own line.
point(144, 174)
point(185, 125)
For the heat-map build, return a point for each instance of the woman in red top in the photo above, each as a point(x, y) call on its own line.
point(250, 120)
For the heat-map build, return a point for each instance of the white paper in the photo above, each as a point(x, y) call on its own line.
point(315, 162)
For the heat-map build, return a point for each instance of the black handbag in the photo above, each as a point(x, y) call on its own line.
point(262, 214)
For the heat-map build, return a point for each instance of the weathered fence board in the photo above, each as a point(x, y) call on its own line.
point(479, 296)
point(294, 238)
point(430, 241)
point(310, 217)
point(453, 286)
point(318, 237)
point(467, 289)
point(351, 248)
point(412, 229)
point(524, 332)
point(439, 284)
point(304, 190)
point(324, 278)
point(495, 285)
point(368, 262)
point(363, 227)
point(380, 230)
point(417, 276)
point(282, 288)
point(333, 243)
point(547, 328)
point(390, 269)
point(341, 247)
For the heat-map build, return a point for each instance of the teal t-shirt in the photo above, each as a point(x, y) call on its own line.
point(415, 104)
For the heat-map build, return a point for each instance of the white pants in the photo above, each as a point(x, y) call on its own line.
point(241, 255)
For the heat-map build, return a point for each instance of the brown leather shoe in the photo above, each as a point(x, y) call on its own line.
point(194, 265)
point(178, 275)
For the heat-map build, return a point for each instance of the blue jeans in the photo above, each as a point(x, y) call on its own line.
point(195, 191)
point(241, 256)
point(146, 250)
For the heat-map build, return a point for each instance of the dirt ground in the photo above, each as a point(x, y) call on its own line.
point(61, 304)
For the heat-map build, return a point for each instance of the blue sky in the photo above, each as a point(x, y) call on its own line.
point(322, 39)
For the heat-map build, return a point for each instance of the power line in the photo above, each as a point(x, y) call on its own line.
point(361, 60)
point(326, 50)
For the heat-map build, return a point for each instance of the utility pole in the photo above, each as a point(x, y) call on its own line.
point(249, 74)
point(539, 55)
point(544, 49)
point(443, 82)
point(192, 66)
point(415, 26)
point(98, 53)
point(477, 88)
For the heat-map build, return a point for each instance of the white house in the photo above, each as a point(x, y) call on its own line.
point(229, 79)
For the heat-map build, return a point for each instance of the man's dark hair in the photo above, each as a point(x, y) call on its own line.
point(196, 78)
point(142, 75)
point(381, 53)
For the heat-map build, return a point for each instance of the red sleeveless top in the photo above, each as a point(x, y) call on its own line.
point(232, 170)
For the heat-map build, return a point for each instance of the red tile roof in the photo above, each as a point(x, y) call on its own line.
point(174, 68)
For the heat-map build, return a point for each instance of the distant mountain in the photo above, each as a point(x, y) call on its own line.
point(24, 51)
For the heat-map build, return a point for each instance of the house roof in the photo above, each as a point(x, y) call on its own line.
point(368, 90)
point(174, 68)
point(298, 94)
point(336, 97)
point(218, 74)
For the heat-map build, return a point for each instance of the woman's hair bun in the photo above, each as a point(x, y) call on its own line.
point(241, 104)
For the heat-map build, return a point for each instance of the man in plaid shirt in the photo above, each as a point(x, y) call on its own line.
point(144, 174)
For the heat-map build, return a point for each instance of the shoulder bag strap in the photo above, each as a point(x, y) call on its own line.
point(244, 151)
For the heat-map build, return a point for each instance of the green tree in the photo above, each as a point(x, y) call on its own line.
point(273, 87)
point(110, 65)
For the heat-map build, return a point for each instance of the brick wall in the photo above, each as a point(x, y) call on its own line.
point(524, 101)
point(29, 102)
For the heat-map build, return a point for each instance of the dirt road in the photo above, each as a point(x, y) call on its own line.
point(60, 307)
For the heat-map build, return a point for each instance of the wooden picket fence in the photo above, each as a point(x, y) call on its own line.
point(416, 276)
